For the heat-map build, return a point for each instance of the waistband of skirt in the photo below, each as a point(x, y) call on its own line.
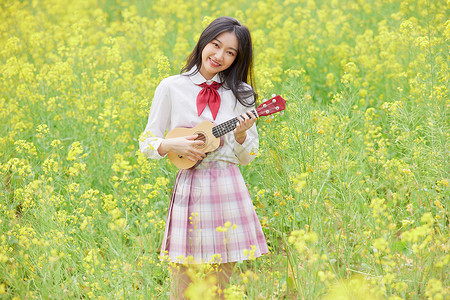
point(214, 164)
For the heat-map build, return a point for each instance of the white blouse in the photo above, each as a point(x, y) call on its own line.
point(174, 105)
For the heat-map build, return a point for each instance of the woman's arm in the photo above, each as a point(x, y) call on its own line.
point(245, 123)
point(246, 139)
point(185, 146)
point(158, 121)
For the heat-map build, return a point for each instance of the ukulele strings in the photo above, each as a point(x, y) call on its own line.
point(201, 136)
point(227, 126)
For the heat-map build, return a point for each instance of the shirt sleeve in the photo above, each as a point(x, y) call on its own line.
point(158, 121)
point(247, 151)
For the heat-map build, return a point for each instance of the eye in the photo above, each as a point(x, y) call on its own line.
point(231, 53)
point(215, 44)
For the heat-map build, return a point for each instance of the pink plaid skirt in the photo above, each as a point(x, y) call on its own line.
point(211, 217)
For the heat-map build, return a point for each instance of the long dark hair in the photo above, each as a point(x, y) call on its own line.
point(241, 70)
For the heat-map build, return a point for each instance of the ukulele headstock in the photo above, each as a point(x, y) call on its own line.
point(271, 106)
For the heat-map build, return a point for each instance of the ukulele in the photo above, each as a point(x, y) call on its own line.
point(210, 133)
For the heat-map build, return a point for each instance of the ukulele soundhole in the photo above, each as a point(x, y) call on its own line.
point(201, 137)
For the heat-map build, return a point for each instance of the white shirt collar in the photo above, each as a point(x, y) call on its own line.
point(198, 78)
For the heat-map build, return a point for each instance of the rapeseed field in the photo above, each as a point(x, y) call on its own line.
point(351, 184)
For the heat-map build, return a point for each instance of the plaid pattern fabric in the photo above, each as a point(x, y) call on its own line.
point(211, 217)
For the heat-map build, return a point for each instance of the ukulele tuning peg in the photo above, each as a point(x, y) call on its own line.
point(273, 95)
point(281, 113)
point(271, 116)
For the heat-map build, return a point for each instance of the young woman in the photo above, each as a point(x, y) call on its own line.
point(211, 216)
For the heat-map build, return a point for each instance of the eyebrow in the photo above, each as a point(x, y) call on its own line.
point(222, 44)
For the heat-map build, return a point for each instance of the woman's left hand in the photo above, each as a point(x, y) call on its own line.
point(246, 121)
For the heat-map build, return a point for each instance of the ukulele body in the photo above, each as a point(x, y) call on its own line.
point(204, 132)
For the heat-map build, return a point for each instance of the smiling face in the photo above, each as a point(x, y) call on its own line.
point(219, 54)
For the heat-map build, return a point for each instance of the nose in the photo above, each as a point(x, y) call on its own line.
point(219, 55)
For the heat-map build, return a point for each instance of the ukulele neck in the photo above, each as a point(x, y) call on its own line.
point(227, 126)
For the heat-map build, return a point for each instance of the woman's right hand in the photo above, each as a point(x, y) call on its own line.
point(185, 146)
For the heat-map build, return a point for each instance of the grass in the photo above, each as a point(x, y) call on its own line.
point(351, 184)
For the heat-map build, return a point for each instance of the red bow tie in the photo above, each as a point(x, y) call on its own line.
point(209, 95)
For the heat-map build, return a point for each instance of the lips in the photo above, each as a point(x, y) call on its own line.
point(213, 63)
